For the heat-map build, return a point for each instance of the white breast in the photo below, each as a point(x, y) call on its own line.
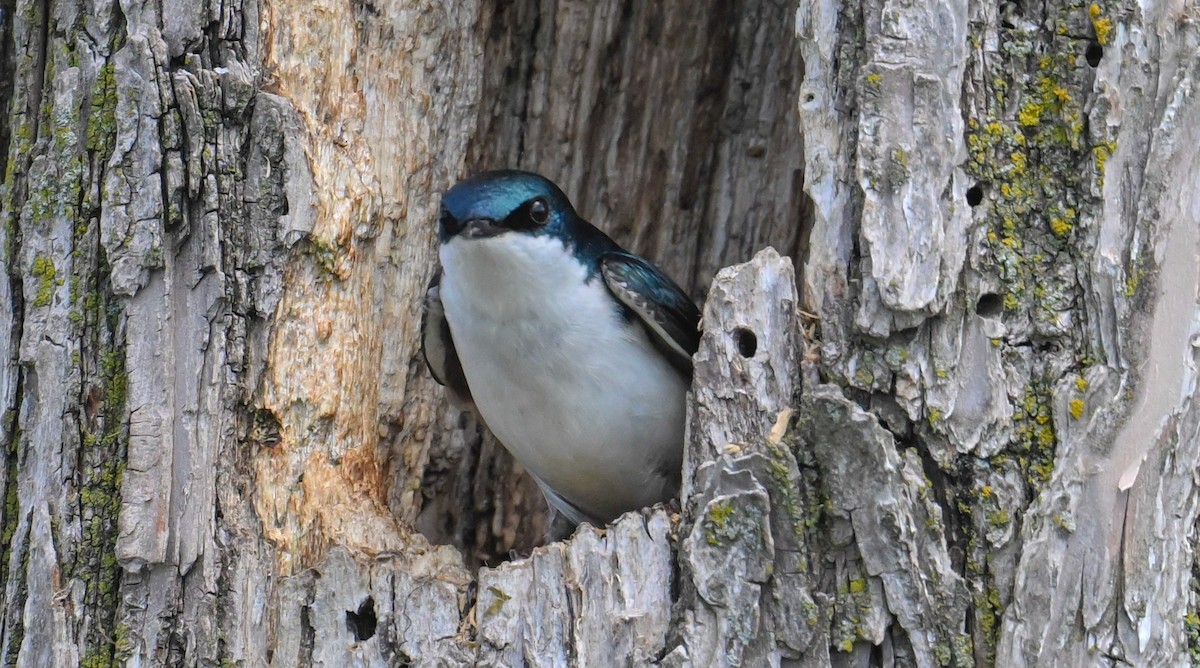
point(578, 395)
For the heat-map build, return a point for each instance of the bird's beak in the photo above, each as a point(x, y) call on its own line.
point(479, 228)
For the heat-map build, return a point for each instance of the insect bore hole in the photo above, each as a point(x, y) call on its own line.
point(974, 195)
point(747, 342)
point(989, 305)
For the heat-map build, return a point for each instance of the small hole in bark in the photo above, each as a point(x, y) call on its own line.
point(1094, 53)
point(989, 305)
point(747, 342)
point(974, 195)
point(362, 623)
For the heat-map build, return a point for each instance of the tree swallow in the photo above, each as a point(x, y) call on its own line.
point(576, 353)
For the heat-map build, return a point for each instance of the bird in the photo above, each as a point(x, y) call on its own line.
point(574, 352)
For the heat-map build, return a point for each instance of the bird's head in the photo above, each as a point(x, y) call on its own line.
point(503, 202)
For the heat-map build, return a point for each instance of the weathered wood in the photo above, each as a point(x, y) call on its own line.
point(904, 573)
point(1027, 394)
point(747, 369)
point(600, 599)
point(1121, 567)
point(746, 593)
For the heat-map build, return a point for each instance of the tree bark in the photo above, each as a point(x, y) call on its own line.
point(963, 431)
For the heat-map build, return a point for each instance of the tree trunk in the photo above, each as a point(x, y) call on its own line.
point(964, 434)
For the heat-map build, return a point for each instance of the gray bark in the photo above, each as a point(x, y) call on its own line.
point(964, 434)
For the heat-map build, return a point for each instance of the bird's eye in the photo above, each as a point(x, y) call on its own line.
point(539, 211)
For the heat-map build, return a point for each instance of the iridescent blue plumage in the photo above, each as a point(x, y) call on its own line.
point(496, 196)
point(647, 292)
point(574, 351)
point(499, 196)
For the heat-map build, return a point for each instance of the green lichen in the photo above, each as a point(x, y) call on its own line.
point(935, 417)
point(719, 515)
point(11, 502)
point(330, 257)
point(1100, 154)
point(863, 377)
point(104, 443)
point(1029, 144)
point(500, 599)
point(898, 167)
point(44, 276)
point(1035, 435)
point(96, 659)
point(102, 123)
point(1191, 619)
point(1032, 159)
point(781, 465)
point(1134, 276)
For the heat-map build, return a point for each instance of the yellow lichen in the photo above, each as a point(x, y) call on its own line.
point(1019, 162)
point(1030, 115)
point(1103, 29)
point(1077, 408)
point(1046, 436)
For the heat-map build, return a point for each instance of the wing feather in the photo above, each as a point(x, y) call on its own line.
point(437, 346)
point(669, 315)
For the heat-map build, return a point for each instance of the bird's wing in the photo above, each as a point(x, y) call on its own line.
point(438, 347)
point(670, 316)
